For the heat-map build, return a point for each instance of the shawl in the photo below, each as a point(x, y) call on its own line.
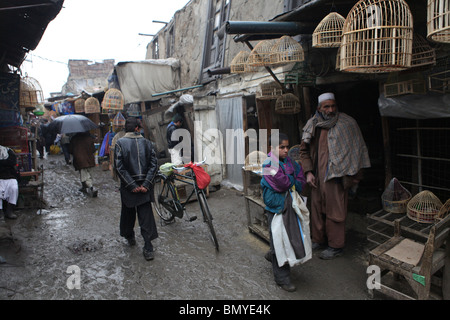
point(346, 147)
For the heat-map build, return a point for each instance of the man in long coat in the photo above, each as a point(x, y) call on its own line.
point(82, 148)
point(333, 154)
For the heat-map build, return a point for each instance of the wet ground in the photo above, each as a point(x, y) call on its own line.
point(81, 234)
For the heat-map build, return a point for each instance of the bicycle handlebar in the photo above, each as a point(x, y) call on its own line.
point(183, 168)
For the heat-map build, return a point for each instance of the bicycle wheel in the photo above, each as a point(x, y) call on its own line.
point(163, 195)
point(207, 217)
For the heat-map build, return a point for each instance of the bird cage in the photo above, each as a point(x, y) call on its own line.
point(438, 20)
point(300, 74)
point(377, 37)
point(399, 84)
point(119, 120)
point(395, 197)
point(439, 78)
point(445, 209)
point(260, 55)
point(287, 104)
point(254, 161)
point(240, 63)
point(294, 153)
point(268, 90)
point(338, 59)
point(328, 33)
point(30, 93)
point(134, 110)
point(424, 207)
point(286, 50)
point(113, 100)
point(92, 105)
point(422, 53)
point(79, 105)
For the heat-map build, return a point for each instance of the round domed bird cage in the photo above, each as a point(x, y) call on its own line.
point(92, 105)
point(260, 55)
point(239, 64)
point(287, 104)
point(438, 20)
point(113, 100)
point(424, 207)
point(377, 37)
point(328, 33)
point(79, 105)
point(30, 93)
point(422, 53)
point(286, 50)
point(268, 90)
point(254, 161)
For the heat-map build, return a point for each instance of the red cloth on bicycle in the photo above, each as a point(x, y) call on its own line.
point(202, 177)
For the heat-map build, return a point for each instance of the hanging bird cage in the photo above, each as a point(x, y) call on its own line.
point(134, 110)
point(300, 74)
point(268, 90)
point(119, 120)
point(438, 20)
point(260, 55)
point(377, 37)
point(399, 84)
point(30, 93)
point(92, 105)
point(439, 78)
point(287, 104)
point(113, 100)
point(422, 53)
point(286, 50)
point(328, 33)
point(424, 207)
point(254, 161)
point(79, 105)
point(240, 63)
point(338, 59)
point(395, 197)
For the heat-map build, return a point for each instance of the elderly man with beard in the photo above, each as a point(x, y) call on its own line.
point(333, 154)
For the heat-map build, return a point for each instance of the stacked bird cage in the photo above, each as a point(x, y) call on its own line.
point(328, 33)
point(399, 84)
point(239, 64)
point(438, 21)
point(422, 53)
point(286, 50)
point(92, 105)
point(79, 105)
point(377, 37)
point(30, 93)
point(395, 197)
point(287, 104)
point(269, 90)
point(254, 161)
point(260, 55)
point(424, 207)
point(113, 100)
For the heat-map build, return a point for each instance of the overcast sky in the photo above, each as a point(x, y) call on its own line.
point(95, 30)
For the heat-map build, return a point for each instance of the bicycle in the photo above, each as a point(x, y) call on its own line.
point(167, 201)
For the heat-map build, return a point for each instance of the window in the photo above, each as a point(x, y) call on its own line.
point(155, 49)
point(170, 40)
point(213, 54)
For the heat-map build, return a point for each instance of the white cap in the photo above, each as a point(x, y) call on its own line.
point(326, 96)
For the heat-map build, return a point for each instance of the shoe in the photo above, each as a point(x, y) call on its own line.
point(9, 211)
point(148, 255)
point(316, 246)
point(2, 216)
point(92, 192)
point(289, 287)
point(331, 253)
point(131, 241)
point(268, 256)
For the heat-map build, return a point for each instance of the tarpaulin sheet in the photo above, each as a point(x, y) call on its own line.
point(138, 80)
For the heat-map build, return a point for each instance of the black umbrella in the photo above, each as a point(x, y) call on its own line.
point(72, 123)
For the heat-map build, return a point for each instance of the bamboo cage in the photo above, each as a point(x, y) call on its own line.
point(399, 84)
point(79, 105)
point(438, 20)
point(92, 105)
point(268, 90)
point(439, 78)
point(377, 37)
point(328, 33)
point(113, 100)
point(300, 75)
point(260, 55)
point(286, 50)
point(424, 207)
point(30, 93)
point(395, 197)
point(338, 60)
point(254, 161)
point(445, 209)
point(119, 120)
point(287, 104)
point(134, 110)
point(239, 64)
point(422, 53)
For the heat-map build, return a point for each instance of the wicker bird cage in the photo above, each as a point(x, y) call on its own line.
point(286, 50)
point(287, 104)
point(92, 105)
point(300, 75)
point(240, 63)
point(399, 84)
point(438, 21)
point(268, 90)
point(424, 207)
point(377, 37)
point(422, 53)
point(134, 110)
point(119, 120)
point(338, 59)
point(395, 197)
point(260, 55)
point(439, 78)
point(113, 100)
point(294, 153)
point(30, 93)
point(79, 105)
point(254, 161)
point(328, 33)
point(445, 209)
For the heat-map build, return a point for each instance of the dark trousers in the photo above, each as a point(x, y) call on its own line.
point(65, 149)
point(282, 274)
point(146, 223)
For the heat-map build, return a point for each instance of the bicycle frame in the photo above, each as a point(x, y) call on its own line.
point(174, 177)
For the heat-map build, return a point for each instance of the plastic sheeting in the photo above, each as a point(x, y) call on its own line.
point(415, 106)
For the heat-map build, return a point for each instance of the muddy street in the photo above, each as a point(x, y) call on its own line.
point(76, 232)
